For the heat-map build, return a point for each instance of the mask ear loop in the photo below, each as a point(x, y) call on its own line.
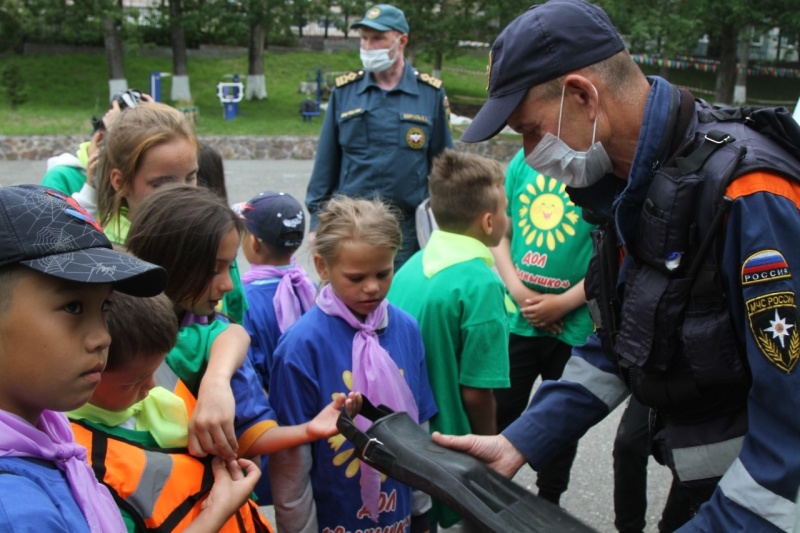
point(393, 48)
point(561, 111)
point(594, 128)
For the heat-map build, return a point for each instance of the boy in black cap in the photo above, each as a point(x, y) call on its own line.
point(57, 270)
point(278, 290)
point(690, 286)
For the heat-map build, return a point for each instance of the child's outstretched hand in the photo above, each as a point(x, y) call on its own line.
point(234, 481)
point(324, 424)
point(211, 427)
point(353, 404)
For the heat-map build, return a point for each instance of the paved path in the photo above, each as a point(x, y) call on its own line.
point(590, 495)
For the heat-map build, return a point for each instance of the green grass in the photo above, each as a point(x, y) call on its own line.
point(64, 91)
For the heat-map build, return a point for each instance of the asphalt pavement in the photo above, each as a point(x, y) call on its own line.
point(590, 494)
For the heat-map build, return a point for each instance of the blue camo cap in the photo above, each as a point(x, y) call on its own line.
point(383, 17)
point(544, 43)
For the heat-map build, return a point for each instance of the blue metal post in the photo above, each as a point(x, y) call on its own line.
point(155, 86)
point(319, 88)
point(236, 95)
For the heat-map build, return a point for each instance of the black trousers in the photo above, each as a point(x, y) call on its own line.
point(410, 244)
point(530, 358)
point(631, 453)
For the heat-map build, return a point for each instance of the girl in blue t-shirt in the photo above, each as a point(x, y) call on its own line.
point(352, 338)
point(194, 235)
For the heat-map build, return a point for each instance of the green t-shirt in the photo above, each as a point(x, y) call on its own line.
point(234, 303)
point(67, 172)
point(189, 357)
point(551, 245)
point(460, 305)
point(64, 178)
point(118, 226)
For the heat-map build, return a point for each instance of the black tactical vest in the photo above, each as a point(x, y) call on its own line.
point(668, 326)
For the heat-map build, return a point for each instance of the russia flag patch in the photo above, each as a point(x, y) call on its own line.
point(765, 265)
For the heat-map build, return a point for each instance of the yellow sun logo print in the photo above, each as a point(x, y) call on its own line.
point(337, 441)
point(547, 216)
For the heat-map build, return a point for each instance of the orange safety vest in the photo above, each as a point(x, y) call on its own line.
point(162, 489)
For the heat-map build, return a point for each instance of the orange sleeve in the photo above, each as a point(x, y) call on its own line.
point(765, 182)
point(252, 434)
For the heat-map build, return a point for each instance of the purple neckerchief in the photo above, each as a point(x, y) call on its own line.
point(53, 441)
point(294, 295)
point(190, 318)
point(375, 375)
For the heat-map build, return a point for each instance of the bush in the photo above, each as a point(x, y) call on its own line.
point(13, 86)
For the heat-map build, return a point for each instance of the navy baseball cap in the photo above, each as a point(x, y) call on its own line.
point(50, 232)
point(383, 17)
point(276, 218)
point(544, 43)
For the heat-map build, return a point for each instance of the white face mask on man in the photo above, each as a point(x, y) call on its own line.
point(380, 59)
point(552, 157)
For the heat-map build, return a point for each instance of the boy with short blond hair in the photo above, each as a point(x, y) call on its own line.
point(465, 188)
point(57, 271)
point(459, 302)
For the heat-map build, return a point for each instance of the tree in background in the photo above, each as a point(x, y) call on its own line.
point(667, 27)
point(491, 16)
point(726, 22)
point(436, 28)
point(13, 85)
point(672, 27)
point(181, 90)
point(111, 16)
point(16, 21)
point(733, 22)
point(259, 19)
point(85, 22)
point(350, 11)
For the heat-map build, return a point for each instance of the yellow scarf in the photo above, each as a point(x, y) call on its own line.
point(162, 414)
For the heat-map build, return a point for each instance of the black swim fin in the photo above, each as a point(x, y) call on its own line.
point(398, 447)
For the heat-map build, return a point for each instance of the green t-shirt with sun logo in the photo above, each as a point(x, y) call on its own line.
point(550, 244)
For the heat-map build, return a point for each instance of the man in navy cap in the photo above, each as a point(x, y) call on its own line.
point(693, 284)
point(384, 125)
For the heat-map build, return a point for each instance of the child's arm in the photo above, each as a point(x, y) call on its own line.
point(480, 406)
point(211, 428)
point(281, 437)
point(508, 273)
point(542, 310)
point(546, 310)
point(292, 494)
point(232, 486)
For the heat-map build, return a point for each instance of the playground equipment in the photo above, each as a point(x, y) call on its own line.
point(155, 84)
point(230, 94)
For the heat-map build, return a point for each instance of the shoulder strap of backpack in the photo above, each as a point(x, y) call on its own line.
point(713, 140)
point(776, 123)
